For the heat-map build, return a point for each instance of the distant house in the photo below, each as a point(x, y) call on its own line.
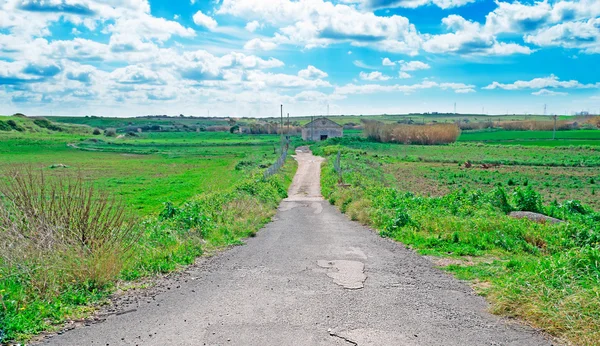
point(321, 129)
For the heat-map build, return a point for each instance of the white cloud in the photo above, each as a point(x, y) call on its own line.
point(318, 23)
point(583, 35)
point(546, 92)
point(443, 4)
point(137, 75)
point(404, 75)
point(469, 38)
point(259, 44)
point(350, 89)
point(253, 26)
point(374, 76)
point(567, 24)
point(312, 72)
point(388, 62)
point(261, 79)
point(541, 83)
point(413, 66)
point(206, 21)
point(361, 64)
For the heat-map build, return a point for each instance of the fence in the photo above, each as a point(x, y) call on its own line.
point(337, 165)
point(280, 161)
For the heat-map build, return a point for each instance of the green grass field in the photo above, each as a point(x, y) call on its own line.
point(145, 171)
point(187, 191)
point(423, 196)
point(534, 138)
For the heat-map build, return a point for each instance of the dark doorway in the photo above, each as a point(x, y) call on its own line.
point(323, 137)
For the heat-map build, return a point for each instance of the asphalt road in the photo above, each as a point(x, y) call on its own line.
point(310, 277)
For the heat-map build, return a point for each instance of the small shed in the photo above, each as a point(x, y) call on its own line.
point(321, 129)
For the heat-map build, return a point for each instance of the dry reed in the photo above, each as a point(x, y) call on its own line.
point(411, 134)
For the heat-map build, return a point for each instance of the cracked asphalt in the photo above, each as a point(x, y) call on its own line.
point(310, 277)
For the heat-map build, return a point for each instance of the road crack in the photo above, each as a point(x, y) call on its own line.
point(335, 335)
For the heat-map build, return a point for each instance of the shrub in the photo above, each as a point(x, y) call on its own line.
point(4, 126)
point(500, 200)
point(217, 128)
point(97, 132)
point(13, 125)
point(110, 132)
point(47, 124)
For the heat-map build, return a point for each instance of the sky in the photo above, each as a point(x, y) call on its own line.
point(247, 57)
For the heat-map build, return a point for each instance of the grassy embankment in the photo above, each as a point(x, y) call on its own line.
point(546, 274)
point(211, 183)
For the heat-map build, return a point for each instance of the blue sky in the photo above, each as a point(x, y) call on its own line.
point(246, 57)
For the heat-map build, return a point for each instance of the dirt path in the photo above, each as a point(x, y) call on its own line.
point(310, 277)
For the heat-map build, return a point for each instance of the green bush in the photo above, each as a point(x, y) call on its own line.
point(110, 132)
point(528, 200)
point(46, 124)
point(13, 125)
point(499, 199)
point(4, 126)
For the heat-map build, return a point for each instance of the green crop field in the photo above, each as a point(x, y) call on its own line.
point(535, 138)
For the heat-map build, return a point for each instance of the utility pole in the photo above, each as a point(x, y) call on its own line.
point(281, 125)
point(545, 109)
point(554, 133)
point(288, 129)
point(312, 131)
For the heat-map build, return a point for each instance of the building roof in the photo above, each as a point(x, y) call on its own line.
point(319, 122)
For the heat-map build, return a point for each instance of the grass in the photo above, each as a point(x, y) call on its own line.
point(576, 156)
point(545, 274)
point(145, 171)
point(187, 191)
point(534, 138)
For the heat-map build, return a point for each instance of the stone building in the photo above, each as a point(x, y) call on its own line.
point(321, 129)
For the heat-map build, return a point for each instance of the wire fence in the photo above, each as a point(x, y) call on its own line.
point(274, 168)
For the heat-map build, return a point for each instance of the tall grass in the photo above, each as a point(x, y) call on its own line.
point(61, 243)
point(63, 225)
point(535, 125)
point(411, 134)
point(475, 125)
point(594, 121)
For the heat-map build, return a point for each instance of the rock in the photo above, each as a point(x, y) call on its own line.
point(535, 217)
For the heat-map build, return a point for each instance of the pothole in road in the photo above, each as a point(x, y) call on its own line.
point(348, 274)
